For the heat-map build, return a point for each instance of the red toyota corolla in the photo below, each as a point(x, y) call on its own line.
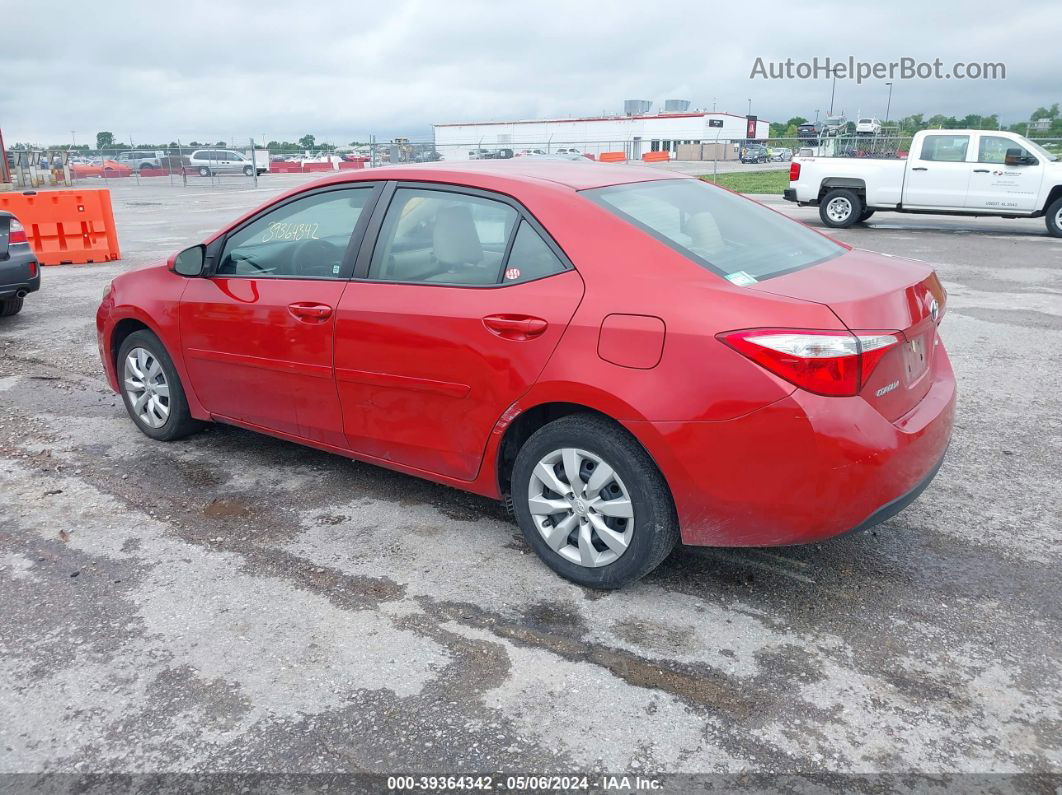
point(628, 356)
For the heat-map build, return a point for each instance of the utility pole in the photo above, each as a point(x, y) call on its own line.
point(888, 106)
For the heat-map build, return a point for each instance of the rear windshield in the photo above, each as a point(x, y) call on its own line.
point(740, 240)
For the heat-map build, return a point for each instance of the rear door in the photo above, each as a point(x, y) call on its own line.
point(257, 333)
point(938, 175)
point(998, 187)
point(453, 314)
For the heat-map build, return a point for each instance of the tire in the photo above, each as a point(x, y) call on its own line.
point(840, 208)
point(204, 171)
point(865, 215)
point(1053, 217)
point(646, 537)
point(142, 169)
point(10, 306)
point(178, 422)
point(248, 171)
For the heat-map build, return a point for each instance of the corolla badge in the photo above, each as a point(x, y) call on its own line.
point(887, 389)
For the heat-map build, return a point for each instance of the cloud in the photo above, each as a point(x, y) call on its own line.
point(232, 69)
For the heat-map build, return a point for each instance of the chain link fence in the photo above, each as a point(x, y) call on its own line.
point(232, 164)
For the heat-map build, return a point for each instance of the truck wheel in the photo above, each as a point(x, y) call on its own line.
point(840, 208)
point(865, 215)
point(1054, 218)
point(591, 502)
point(10, 306)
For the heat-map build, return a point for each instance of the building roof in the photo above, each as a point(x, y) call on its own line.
point(697, 114)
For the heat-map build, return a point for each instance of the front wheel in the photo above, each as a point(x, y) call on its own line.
point(204, 171)
point(592, 503)
point(152, 390)
point(840, 208)
point(1053, 218)
point(248, 171)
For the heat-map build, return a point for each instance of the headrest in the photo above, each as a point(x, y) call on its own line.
point(454, 239)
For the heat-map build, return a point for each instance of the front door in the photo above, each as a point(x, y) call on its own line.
point(459, 308)
point(257, 333)
point(939, 176)
point(998, 187)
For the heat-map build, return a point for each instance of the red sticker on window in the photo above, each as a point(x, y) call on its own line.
point(512, 273)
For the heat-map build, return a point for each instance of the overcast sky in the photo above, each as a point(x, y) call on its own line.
point(231, 69)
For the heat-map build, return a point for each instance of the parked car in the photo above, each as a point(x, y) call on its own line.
point(868, 126)
point(754, 153)
point(20, 272)
point(208, 162)
point(141, 159)
point(810, 132)
point(781, 155)
point(950, 172)
point(834, 126)
point(104, 168)
point(530, 152)
point(618, 353)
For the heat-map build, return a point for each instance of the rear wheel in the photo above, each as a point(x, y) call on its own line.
point(840, 208)
point(591, 502)
point(152, 390)
point(1054, 218)
point(10, 306)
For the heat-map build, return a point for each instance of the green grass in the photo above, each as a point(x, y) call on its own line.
point(753, 181)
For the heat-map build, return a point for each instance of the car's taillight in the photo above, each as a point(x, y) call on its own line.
point(834, 363)
point(794, 172)
point(33, 269)
point(17, 233)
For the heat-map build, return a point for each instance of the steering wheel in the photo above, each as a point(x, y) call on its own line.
point(314, 257)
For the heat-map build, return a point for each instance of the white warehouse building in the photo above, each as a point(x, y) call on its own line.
point(634, 135)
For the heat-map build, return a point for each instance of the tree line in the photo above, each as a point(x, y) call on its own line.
point(1044, 122)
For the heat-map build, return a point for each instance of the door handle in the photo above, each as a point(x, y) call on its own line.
point(310, 312)
point(515, 327)
point(980, 170)
point(920, 168)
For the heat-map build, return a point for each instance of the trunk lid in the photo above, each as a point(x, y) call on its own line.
point(877, 292)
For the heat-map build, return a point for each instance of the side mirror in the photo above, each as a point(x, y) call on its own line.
point(189, 262)
point(1016, 158)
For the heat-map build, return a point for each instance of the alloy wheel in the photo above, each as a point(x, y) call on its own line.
point(581, 507)
point(147, 388)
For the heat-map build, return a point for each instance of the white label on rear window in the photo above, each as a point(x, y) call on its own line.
point(741, 278)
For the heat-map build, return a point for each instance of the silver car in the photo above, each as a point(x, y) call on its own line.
point(140, 159)
point(222, 161)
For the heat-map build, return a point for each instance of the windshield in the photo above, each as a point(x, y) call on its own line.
point(740, 240)
point(1038, 149)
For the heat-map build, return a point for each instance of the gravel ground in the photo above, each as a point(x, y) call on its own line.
point(237, 603)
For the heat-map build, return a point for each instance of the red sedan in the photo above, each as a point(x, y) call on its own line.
point(627, 357)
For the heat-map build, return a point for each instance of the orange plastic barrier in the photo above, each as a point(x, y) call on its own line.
point(66, 226)
point(656, 157)
point(612, 157)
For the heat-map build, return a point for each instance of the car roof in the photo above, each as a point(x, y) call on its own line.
point(569, 173)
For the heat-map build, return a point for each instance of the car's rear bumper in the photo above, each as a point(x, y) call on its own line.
point(20, 273)
point(800, 470)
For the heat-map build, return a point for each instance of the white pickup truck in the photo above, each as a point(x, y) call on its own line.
point(948, 172)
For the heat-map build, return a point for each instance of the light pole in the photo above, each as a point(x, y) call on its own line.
point(888, 106)
point(750, 107)
point(833, 91)
point(713, 104)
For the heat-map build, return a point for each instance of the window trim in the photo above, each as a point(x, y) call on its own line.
point(383, 204)
point(357, 235)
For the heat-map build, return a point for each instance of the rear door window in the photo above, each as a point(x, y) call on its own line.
point(945, 148)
